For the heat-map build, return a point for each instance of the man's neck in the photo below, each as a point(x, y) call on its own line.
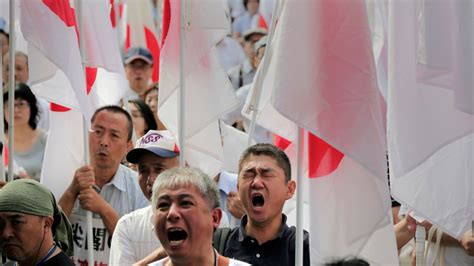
point(139, 91)
point(265, 231)
point(42, 253)
point(204, 259)
point(104, 176)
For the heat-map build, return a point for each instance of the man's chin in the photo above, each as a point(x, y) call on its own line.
point(103, 162)
point(12, 253)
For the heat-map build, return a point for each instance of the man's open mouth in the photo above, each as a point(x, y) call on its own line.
point(176, 236)
point(257, 200)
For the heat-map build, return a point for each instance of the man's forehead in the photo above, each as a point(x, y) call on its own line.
point(159, 161)
point(178, 191)
point(10, 215)
point(260, 161)
point(149, 158)
point(108, 120)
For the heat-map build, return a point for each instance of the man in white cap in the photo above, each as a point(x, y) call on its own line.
point(134, 237)
point(138, 63)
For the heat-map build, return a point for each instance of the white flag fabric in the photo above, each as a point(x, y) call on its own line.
point(234, 143)
point(102, 53)
point(430, 110)
point(50, 29)
point(265, 10)
point(64, 151)
point(58, 75)
point(208, 91)
point(339, 90)
point(321, 69)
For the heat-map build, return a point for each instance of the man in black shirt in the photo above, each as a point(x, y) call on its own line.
point(264, 184)
point(263, 238)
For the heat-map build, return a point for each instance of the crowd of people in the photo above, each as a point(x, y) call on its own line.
point(147, 209)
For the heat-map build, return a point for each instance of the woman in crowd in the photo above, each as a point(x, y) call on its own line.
point(29, 140)
point(151, 99)
point(142, 117)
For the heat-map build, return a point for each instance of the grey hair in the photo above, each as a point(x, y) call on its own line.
point(184, 177)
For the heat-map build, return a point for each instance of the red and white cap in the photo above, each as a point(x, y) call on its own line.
point(158, 142)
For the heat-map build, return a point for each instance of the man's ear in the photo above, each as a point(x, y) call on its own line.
point(291, 188)
point(129, 145)
point(216, 217)
point(48, 223)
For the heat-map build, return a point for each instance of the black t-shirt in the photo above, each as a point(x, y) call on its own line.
point(279, 251)
point(59, 259)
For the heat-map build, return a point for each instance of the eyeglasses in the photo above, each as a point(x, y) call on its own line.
point(19, 104)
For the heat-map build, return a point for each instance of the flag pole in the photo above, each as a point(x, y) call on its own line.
point(11, 90)
point(2, 125)
point(117, 23)
point(257, 91)
point(299, 197)
point(158, 19)
point(90, 236)
point(181, 92)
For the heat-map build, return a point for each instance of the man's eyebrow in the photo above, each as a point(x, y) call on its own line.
point(164, 197)
point(97, 127)
point(15, 216)
point(249, 169)
point(266, 169)
point(179, 197)
point(152, 165)
point(263, 169)
point(185, 195)
point(113, 130)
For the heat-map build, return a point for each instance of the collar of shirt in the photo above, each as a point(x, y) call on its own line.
point(118, 180)
point(243, 235)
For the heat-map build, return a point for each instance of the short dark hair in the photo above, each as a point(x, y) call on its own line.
point(22, 91)
point(5, 33)
point(147, 114)
point(247, 1)
point(118, 110)
point(150, 89)
point(271, 151)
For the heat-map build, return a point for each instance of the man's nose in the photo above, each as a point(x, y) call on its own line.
point(257, 181)
point(104, 140)
point(6, 232)
point(151, 179)
point(173, 213)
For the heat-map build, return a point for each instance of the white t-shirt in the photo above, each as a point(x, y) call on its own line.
point(134, 238)
point(232, 262)
point(124, 195)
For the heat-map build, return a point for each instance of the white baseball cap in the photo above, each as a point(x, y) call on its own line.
point(158, 142)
